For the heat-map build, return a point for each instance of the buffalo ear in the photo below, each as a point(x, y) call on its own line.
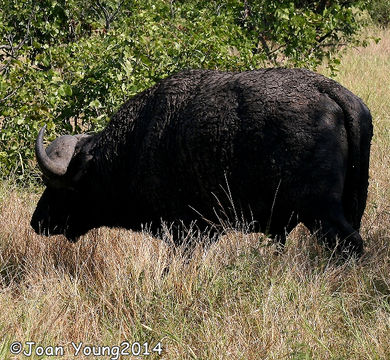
point(80, 161)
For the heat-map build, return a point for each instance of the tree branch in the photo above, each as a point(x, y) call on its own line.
point(10, 94)
point(11, 50)
point(172, 8)
point(109, 18)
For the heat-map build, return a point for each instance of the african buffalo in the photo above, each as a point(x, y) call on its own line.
point(276, 146)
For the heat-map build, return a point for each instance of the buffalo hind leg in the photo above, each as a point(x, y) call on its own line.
point(336, 233)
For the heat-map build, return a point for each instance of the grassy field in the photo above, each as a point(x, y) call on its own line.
point(238, 300)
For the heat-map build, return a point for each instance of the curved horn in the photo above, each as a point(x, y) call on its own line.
point(55, 160)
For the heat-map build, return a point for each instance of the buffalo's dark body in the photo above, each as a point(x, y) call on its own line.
point(289, 145)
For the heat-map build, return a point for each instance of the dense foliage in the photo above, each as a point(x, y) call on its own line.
point(380, 12)
point(70, 64)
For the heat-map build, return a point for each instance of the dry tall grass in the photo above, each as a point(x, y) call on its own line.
point(237, 300)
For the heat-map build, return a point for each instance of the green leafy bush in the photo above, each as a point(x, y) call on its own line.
point(71, 64)
point(380, 12)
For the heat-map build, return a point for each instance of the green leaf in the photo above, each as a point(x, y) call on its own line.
point(95, 104)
